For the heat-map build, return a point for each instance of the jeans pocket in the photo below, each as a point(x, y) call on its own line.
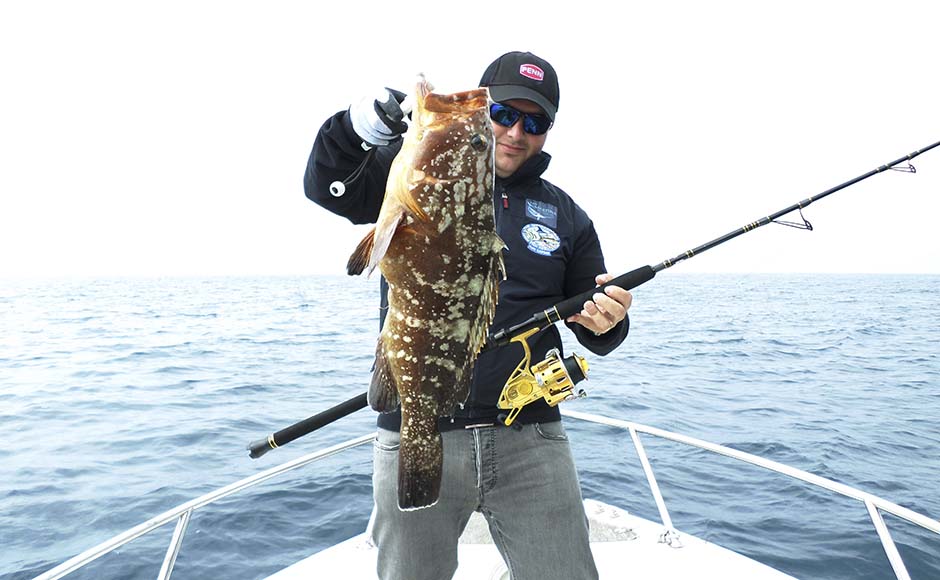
point(386, 440)
point(553, 431)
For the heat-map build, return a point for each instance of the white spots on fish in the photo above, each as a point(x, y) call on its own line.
point(456, 311)
point(460, 330)
point(460, 199)
point(445, 363)
point(444, 223)
point(476, 284)
point(456, 166)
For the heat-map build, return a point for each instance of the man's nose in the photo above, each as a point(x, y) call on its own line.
point(516, 131)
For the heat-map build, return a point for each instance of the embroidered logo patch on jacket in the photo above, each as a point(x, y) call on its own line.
point(542, 212)
point(540, 239)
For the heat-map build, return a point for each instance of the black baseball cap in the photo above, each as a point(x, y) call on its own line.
point(522, 75)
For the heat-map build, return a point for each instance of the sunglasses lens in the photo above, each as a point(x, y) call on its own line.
point(536, 124)
point(503, 115)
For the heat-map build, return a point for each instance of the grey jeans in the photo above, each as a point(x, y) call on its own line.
point(525, 484)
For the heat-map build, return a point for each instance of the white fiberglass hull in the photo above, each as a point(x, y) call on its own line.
point(624, 546)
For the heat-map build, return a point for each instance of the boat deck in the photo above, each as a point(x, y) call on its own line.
point(624, 546)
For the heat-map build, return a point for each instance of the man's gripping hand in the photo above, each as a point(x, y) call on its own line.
point(379, 120)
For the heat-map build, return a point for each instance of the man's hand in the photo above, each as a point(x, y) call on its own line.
point(606, 309)
point(379, 120)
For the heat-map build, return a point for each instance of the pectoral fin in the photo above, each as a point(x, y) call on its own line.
point(360, 257)
point(383, 392)
point(384, 232)
point(372, 248)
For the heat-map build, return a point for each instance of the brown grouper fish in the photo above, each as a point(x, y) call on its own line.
point(435, 242)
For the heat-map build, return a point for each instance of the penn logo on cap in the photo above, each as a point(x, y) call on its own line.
point(532, 72)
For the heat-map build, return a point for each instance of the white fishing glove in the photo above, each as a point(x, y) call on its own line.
point(379, 120)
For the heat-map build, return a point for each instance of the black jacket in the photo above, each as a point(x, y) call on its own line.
point(552, 253)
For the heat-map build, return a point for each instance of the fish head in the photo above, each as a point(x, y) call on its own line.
point(457, 122)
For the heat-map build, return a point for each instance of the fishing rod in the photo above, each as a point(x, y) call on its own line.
point(258, 448)
point(523, 386)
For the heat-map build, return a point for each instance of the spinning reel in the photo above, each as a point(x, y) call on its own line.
point(552, 379)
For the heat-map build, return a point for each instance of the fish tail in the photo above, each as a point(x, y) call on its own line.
point(360, 257)
point(420, 465)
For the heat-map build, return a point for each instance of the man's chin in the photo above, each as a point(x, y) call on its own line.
point(505, 169)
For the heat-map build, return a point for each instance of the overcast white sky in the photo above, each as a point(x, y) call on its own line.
point(170, 138)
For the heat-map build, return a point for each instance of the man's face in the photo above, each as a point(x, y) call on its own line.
point(513, 145)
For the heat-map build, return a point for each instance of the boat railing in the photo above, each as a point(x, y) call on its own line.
point(874, 504)
point(182, 513)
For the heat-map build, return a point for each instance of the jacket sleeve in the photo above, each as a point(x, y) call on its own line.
point(587, 262)
point(338, 156)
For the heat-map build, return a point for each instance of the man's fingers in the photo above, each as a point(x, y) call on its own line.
point(608, 305)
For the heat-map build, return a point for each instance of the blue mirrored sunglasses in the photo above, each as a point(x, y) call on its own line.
point(532, 123)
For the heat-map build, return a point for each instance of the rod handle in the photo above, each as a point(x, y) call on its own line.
point(308, 425)
point(627, 281)
point(258, 448)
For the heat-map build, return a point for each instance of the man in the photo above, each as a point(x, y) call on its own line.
point(523, 480)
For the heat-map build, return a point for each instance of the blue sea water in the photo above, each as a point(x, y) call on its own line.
point(122, 398)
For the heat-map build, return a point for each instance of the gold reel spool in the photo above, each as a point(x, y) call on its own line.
point(552, 379)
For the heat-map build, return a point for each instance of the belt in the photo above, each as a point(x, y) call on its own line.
point(454, 423)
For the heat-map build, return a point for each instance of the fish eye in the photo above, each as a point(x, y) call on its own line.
point(478, 142)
